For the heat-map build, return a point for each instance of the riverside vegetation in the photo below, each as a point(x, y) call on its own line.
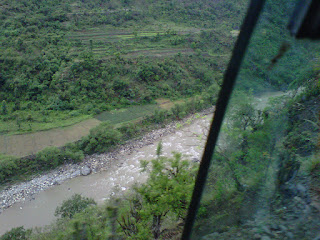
point(139, 214)
point(57, 70)
point(86, 60)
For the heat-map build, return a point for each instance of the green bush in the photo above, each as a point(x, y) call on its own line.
point(49, 157)
point(166, 194)
point(160, 115)
point(75, 204)
point(71, 155)
point(8, 167)
point(18, 233)
point(4, 108)
point(100, 139)
point(52, 157)
point(179, 111)
point(129, 130)
point(46, 159)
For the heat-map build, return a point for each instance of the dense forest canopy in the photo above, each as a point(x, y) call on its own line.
point(40, 63)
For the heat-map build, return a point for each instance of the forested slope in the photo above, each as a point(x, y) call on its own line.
point(63, 60)
point(71, 58)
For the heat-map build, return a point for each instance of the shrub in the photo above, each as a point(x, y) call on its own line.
point(75, 113)
point(4, 108)
point(160, 115)
point(52, 157)
point(179, 111)
point(166, 194)
point(8, 167)
point(100, 139)
point(18, 233)
point(128, 130)
point(49, 157)
point(75, 204)
point(72, 155)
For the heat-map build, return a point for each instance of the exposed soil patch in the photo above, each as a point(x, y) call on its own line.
point(28, 144)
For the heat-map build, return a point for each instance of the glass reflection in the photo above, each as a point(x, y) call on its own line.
point(265, 173)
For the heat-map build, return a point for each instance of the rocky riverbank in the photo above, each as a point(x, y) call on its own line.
point(91, 164)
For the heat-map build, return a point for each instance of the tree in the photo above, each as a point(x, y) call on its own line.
point(91, 45)
point(165, 195)
point(246, 140)
point(159, 149)
point(18, 121)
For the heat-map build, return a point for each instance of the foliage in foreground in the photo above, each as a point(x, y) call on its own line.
point(150, 211)
point(75, 204)
point(260, 153)
point(156, 207)
point(18, 233)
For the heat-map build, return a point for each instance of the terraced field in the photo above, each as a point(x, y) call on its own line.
point(127, 114)
point(150, 41)
point(108, 33)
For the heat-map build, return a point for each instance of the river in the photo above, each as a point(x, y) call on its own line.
point(188, 138)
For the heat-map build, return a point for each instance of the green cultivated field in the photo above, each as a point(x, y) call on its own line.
point(61, 129)
point(39, 122)
point(147, 41)
point(127, 114)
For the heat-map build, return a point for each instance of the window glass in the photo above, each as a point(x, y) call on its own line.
point(264, 175)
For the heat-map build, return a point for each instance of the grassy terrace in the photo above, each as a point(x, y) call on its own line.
point(151, 40)
point(33, 136)
point(39, 122)
point(127, 114)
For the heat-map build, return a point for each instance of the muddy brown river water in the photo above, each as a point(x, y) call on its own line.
point(188, 139)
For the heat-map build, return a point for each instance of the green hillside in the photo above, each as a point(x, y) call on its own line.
point(65, 59)
point(117, 60)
